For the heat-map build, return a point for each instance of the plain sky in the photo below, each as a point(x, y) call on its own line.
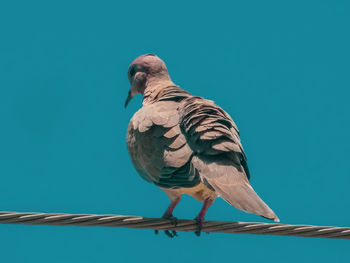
point(279, 68)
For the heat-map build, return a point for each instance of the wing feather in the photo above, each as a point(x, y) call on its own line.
point(158, 148)
point(219, 157)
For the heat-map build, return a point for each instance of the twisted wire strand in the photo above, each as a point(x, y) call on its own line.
point(182, 225)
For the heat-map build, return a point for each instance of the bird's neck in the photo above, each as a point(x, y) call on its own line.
point(153, 87)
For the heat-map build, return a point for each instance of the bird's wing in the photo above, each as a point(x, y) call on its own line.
point(218, 154)
point(158, 149)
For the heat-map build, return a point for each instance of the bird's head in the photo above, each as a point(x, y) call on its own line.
point(146, 70)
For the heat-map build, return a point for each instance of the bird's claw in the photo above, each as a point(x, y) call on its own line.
point(199, 223)
point(170, 233)
point(171, 218)
point(173, 221)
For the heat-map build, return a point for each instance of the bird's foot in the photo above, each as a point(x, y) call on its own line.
point(199, 223)
point(173, 221)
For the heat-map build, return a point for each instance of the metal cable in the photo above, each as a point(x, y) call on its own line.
point(182, 225)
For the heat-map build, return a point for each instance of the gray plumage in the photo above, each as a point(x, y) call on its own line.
point(178, 141)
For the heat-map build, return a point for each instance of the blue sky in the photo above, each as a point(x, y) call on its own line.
point(280, 69)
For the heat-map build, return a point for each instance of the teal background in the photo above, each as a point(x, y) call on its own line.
point(280, 68)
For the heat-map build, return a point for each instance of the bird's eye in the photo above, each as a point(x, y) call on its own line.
point(132, 72)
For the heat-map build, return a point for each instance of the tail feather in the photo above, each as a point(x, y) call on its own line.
point(231, 183)
point(243, 197)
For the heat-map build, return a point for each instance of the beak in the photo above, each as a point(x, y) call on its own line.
point(128, 99)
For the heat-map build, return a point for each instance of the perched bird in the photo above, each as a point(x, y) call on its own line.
point(186, 145)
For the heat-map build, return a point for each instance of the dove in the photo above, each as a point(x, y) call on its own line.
point(186, 144)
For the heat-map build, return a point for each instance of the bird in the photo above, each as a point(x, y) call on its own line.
point(186, 144)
